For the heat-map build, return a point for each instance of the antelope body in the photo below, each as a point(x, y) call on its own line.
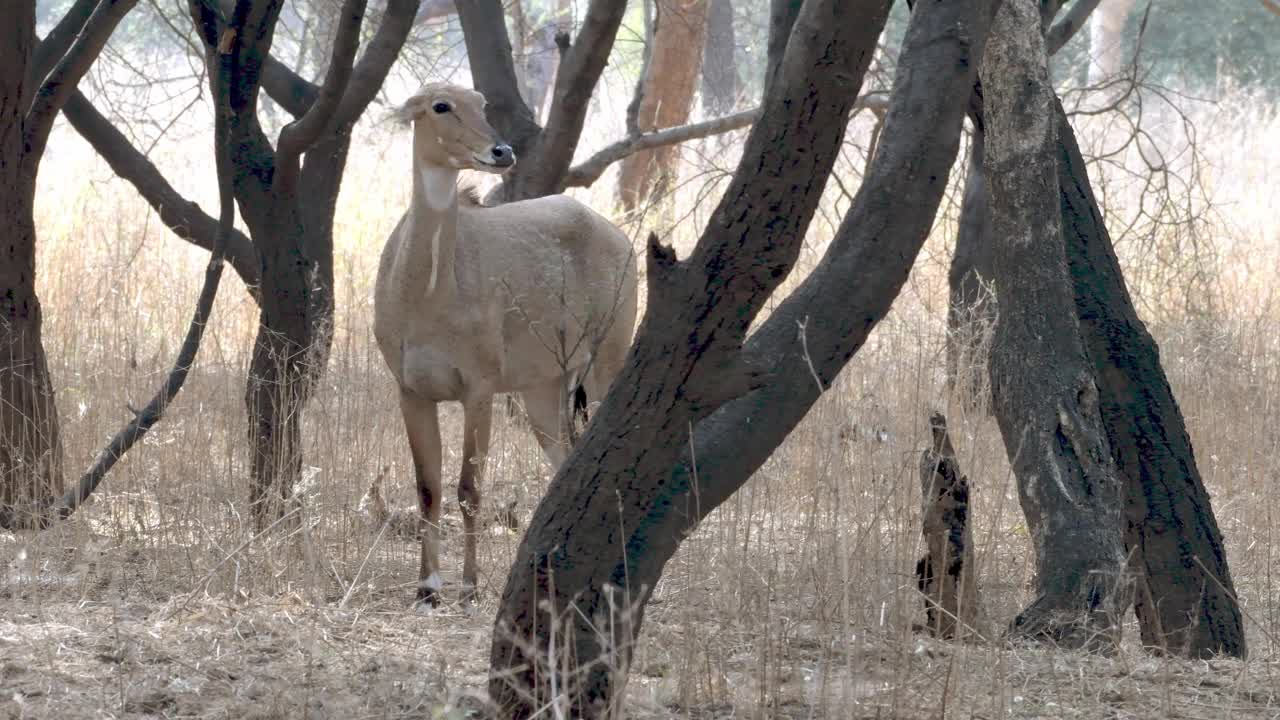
point(535, 297)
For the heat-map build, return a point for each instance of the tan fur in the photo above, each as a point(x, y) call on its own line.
point(472, 301)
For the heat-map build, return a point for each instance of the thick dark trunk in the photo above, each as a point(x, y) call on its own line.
point(720, 82)
point(1185, 599)
point(971, 311)
point(30, 446)
point(1045, 396)
point(615, 514)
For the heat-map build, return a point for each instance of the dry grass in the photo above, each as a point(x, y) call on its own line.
point(795, 599)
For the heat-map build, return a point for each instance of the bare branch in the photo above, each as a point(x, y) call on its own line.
point(55, 46)
point(379, 55)
point(493, 70)
point(1066, 28)
point(580, 69)
point(300, 134)
point(145, 419)
point(180, 215)
point(65, 75)
point(1271, 5)
point(590, 170)
point(289, 89)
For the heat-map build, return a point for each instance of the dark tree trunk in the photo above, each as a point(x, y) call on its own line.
point(971, 311)
point(720, 82)
point(30, 446)
point(1044, 392)
point(615, 513)
point(1185, 599)
point(287, 195)
point(945, 573)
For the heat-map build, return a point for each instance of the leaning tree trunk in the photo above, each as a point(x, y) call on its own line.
point(1185, 599)
point(617, 511)
point(1044, 392)
point(671, 79)
point(971, 311)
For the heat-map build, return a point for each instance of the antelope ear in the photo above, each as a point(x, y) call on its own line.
point(411, 110)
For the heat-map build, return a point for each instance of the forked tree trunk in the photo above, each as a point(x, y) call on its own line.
point(1045, 396)
point(720, 82)
point(1185, 599)
point(675, 64)
point(621, 504)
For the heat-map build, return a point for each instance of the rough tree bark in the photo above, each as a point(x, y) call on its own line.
point(666, 94)
point(1185, 599)
point(971, 311)
point(287, 196)
point(1044, 392)
point(618, 509)
point(1171, 536)
point(36, 80)
point(720, 82)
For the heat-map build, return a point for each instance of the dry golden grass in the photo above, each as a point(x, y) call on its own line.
point(795, 599)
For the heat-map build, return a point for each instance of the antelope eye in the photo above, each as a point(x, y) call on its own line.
point(441, 108)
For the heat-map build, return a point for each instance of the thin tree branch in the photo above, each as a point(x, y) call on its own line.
point(145, 419)
point(1066, 28)
point(580, 69)
point(300, 134)
point(183, 217)
point(65, 75)
point(590, 170)
point(1271, 5)
point(379, 55)
point(59, 40)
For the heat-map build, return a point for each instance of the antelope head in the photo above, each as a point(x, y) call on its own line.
point(450, 130)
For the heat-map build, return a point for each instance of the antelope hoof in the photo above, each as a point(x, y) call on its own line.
point(429, 592)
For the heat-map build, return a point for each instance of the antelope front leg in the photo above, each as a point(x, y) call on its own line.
point(423, 426)
point(477, 422)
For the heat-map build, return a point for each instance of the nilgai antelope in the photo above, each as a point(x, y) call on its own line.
point(535, 297)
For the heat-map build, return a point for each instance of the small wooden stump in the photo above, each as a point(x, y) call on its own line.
point(945, 573)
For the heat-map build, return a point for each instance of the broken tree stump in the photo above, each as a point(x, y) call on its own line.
point(945, 573)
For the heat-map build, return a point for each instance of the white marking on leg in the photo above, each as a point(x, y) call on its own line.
point(432, 583)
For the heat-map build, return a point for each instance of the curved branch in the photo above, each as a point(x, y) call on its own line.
point(590, 170)
point(381, 53)
point(580, 69)
point(145, 419)
point(65, 75)
point(300, 134)
point(1066, 28)
point(180, 215)
point(59, 40)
